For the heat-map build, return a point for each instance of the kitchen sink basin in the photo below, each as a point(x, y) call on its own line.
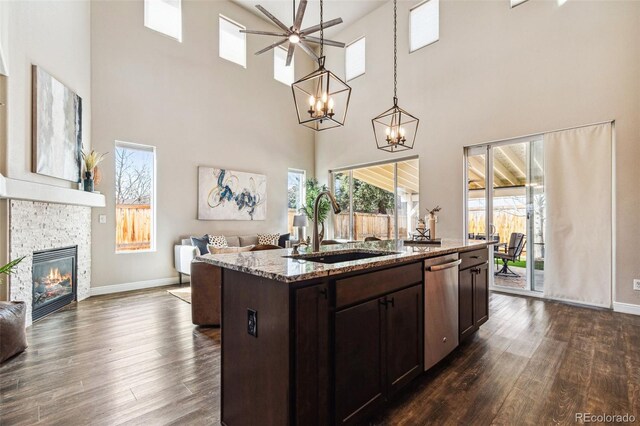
point(337, 257)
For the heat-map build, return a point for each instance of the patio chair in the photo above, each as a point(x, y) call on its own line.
point(511, 253)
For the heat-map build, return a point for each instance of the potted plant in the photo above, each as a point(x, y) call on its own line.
point(9, 267)
point(313, 190)
point(91, 161)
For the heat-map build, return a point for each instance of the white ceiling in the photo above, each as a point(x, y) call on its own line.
point(349, 10)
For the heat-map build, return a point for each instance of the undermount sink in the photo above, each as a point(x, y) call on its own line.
point(337, 257)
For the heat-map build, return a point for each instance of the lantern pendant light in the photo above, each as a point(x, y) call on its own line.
point(395, 129)
point(321, 98)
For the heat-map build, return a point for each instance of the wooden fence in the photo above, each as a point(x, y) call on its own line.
point(133, 227)
point(365, 225)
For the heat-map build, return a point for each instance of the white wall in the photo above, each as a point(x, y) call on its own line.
point(197, 109)
point(498, 73)
point(56, 36)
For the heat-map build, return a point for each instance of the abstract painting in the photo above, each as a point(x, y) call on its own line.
point(229, 195)
point(57, 128)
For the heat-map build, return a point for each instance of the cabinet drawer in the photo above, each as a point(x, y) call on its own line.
point(362, 287)
point(473, 258)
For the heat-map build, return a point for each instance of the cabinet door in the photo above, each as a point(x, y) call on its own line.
point(358, 361)
point(404, 337)
point(466, 302)
point(312, 350)
point(481, 295)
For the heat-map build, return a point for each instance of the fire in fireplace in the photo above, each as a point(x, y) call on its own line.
point(54, 280)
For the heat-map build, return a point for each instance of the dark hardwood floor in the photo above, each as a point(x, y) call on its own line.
point(135, 358)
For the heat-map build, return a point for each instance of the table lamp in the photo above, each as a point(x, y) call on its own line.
point(300, 221)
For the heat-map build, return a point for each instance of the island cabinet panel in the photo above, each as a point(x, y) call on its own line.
point(373, 284)
point(359, 351)
point(465, 304)
point(404, 337)
point(378, 350)
point(481, 295)
point(255, 368)
point(312, 355)
point(473, 307)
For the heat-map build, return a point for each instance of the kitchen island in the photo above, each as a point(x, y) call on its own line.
point(330, 337)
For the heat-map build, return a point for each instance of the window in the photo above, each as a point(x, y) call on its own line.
point(515, 3)
point(233, 43)
point(296, 193)
point(380, 200)
point(355, 59)
point(135, 197)
point(164, 16)
point(282, 72)
point(424, 21)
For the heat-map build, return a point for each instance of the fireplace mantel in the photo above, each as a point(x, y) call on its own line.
point(31, 191)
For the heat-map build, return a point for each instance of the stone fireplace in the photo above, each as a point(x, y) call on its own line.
point(37, 228)
point(54, 280)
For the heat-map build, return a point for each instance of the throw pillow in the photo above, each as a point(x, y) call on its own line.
point(218, 241)
point(201, 243)
point(282, 241)
point(271, 239)
point(223, 250)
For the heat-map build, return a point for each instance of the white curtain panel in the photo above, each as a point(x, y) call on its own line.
point(578, 226)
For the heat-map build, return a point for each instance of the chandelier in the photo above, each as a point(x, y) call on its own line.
point(395, 129)
point(321, 98)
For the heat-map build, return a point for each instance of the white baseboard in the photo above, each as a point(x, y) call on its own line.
point(136, 285)
point(626, 308)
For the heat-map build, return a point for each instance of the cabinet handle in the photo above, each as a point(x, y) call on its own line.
point(475, 257)
point(387, 301)
point(323, 291)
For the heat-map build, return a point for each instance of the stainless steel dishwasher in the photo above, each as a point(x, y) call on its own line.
point(440, 308)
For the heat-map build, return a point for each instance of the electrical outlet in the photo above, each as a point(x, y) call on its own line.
point(252, 322)
point(636, 285)
point(102, 218)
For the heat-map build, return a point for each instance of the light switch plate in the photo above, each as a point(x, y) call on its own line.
point(102, 218)
point(636, 285)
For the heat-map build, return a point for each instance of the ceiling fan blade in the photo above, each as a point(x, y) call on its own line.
point(308, 50)
point(267, 33)
point(300, 14)
point(273, 18)
point(272, 46)
point(326, 42)
point(290, 53)
point(326, 25)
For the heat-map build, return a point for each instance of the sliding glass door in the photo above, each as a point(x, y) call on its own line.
point(378, 200)
point(505, 203)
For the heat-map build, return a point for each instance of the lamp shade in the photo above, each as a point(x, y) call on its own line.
point(300, 220)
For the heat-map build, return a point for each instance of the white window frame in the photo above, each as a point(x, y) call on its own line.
point(411, 48)
point(286, 68)
point(303, 188)
point(153, 202)
point(346, 59)
point(222, 17)
point(147, 20)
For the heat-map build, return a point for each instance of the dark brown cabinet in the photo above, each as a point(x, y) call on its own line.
point(312, 354)
point(378, 349)
point(473, 293)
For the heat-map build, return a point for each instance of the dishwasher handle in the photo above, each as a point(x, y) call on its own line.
point(444, 266)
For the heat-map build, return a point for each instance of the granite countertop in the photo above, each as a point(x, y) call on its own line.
point(273, 265)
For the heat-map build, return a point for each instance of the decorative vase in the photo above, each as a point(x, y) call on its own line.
point(88, 181)
point(432, 226)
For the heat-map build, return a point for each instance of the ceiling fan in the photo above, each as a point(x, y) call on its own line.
point(294, 34)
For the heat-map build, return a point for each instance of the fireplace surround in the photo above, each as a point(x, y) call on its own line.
point(54, 277)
